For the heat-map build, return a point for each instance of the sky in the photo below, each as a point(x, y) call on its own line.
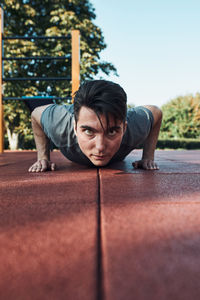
point(155, 46)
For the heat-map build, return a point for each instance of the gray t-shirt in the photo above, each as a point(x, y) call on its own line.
point(58, 124)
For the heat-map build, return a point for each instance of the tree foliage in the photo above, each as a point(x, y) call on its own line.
point(181, 118)
point(48, 18)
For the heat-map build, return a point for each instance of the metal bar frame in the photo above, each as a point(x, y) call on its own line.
point(36, 37)
point(75, 61)
point(36, 97)
point(38, 58)
point(36, 78)
point(75, 68)
point(1, 86)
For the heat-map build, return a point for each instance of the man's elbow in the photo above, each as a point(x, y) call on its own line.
point(33, 114)
point(157, 113)
point(36, 115)
point(34, 120)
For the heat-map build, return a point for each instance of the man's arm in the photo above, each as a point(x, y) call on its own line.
point(43, 162)
point(147, 162)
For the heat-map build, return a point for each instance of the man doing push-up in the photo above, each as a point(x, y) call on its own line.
point(97, 129)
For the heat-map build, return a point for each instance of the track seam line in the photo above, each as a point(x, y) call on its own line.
point(100, 290)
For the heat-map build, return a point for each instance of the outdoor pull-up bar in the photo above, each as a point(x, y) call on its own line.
point(1, 86)
point(75, 69)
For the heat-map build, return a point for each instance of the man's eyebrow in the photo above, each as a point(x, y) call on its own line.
point(114, 127)
point(87, 127)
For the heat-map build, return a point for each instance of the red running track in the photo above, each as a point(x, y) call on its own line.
point(111, 233)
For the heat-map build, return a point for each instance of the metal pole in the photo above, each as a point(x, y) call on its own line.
point(1, 86)
point(75, 61)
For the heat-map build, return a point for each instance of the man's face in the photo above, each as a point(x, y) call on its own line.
point(97, 143)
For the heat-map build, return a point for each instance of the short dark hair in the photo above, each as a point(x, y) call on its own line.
point(103, 97)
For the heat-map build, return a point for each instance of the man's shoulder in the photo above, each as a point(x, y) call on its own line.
point(139, 123)
point(58, 110)
point(138, 112)
point(62, 107)
point(58, 124)
point(56, 114)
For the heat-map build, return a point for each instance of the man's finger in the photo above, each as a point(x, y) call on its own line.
point(152, 166)
point(38, 167)
point(53, 166)
point(156, 167)
point(44, 165)
point(145, 164)
point(149, 165)
point(33, 168)
point(135, 164)
point(138, 164)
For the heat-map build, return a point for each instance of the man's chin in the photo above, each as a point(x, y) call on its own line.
point(99, 163)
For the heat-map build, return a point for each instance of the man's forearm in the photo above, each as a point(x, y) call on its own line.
point(41, 141)
point(151, 141)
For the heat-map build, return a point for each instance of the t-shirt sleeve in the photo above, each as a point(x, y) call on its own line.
point(57, 123)
point(139, 123)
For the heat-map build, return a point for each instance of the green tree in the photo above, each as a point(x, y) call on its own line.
point(50, 18)
point(181, 118)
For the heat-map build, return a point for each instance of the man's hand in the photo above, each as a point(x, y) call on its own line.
point(43, 162)
point(146, 164)
point(42, 165)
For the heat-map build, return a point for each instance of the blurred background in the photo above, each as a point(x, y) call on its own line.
point(154, 45)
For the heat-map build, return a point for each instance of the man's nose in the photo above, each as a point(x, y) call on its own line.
point(100, 143)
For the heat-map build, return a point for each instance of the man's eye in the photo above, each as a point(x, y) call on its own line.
point(112, 132)
point(89, 132)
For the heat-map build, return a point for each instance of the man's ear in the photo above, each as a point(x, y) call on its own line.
point(75, 127)
point(125, 126)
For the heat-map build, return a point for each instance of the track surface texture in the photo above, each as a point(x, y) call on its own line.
point(113, 233)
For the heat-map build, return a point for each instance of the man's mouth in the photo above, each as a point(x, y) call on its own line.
point(99, 157)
